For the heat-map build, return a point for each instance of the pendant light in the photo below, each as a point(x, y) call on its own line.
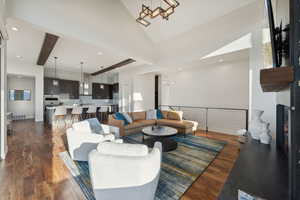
point(55, 81)
point(83, 85)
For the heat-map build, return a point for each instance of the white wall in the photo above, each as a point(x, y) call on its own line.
point(3, 101)
point(26, 108)
point(136, 90)
point(218, 85)
point(143, 92)
point(222, 85)
point(15, 67)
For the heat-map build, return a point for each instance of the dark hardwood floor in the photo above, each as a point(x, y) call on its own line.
point(33, 169)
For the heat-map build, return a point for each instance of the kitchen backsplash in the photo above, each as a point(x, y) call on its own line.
point(87, 100)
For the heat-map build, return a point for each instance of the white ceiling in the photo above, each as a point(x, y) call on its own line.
point(197, 28)
point(188, 15)
point(70, 52)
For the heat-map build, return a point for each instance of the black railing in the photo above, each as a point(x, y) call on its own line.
point(175, 107)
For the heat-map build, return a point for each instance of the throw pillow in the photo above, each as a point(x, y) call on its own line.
point(128, 118)
point(151, 114)
point(120, 116)
point(95, 126)
point(175, 115)
point(159, 114)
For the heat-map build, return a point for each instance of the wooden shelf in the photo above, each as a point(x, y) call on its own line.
point(276, 79)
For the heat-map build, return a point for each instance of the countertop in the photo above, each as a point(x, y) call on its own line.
point(83, 106)
point(260, 170)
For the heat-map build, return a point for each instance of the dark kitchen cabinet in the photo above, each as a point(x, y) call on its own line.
point(101, 91)
point(68, 87)
point(49, 88)
point(115, 88)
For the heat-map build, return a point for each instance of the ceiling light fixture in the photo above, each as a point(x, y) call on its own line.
point(55, 81)
point(83, 84)
point(152, 13)
point(14, 28)
point(99, 53)
point(19, 57)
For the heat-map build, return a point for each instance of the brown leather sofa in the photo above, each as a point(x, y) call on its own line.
point(170, 118)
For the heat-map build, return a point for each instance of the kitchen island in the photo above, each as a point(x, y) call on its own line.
point(49, 110)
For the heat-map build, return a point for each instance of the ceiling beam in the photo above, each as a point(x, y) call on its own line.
point(115, 66)
point(47, 47)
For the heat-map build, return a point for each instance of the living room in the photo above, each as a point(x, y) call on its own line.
point(155, 99)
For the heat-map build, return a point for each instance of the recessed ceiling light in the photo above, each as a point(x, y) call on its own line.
point(19, 57)
point(14, 28)
point(99, 53)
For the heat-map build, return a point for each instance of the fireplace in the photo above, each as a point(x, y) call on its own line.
point(283, 127)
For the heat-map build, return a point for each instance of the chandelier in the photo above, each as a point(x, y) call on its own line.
point(159, 11)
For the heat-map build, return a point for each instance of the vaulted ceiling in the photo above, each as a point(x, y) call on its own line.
point(87, 27)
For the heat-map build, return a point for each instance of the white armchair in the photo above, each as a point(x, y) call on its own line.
point(82, 140)
point(125, 171)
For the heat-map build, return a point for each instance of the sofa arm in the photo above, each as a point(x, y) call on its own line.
point(81, 144)
point(117, 123)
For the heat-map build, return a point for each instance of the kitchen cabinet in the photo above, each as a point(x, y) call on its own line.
point(101, 91)
point(67, 87)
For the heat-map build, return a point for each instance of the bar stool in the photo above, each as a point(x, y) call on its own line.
point(103, 112)
point(60, 115)
point(91, 112)
point(76, 114)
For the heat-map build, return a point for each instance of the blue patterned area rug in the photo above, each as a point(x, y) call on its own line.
point(180, 168)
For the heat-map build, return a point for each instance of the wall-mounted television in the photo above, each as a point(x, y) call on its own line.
point(280, 45)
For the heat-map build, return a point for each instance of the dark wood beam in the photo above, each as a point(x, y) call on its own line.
point(115, 66)
point(47, 47)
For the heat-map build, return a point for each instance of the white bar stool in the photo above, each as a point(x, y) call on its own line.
point(76, 114)
point(60, 115)
point(103, 112)
point(91, 112)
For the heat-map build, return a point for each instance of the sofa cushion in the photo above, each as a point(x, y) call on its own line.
point(174, 123)
point(175, 115)
point(151, 114)
point(140, 123)
point(165, 114)
point(138, 116)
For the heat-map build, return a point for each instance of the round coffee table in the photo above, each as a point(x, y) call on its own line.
point(161, 134)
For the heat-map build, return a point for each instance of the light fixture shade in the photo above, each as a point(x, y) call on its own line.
point(101, 86)
point(143, 22)
point(55, 82)
point(156, 12)
point(164, 13)
point(86, 86)
point(172, 3)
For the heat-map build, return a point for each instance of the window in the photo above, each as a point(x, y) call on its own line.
point(19, 95)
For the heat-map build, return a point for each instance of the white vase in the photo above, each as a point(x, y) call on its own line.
point(257, 125)
point(265, 137)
